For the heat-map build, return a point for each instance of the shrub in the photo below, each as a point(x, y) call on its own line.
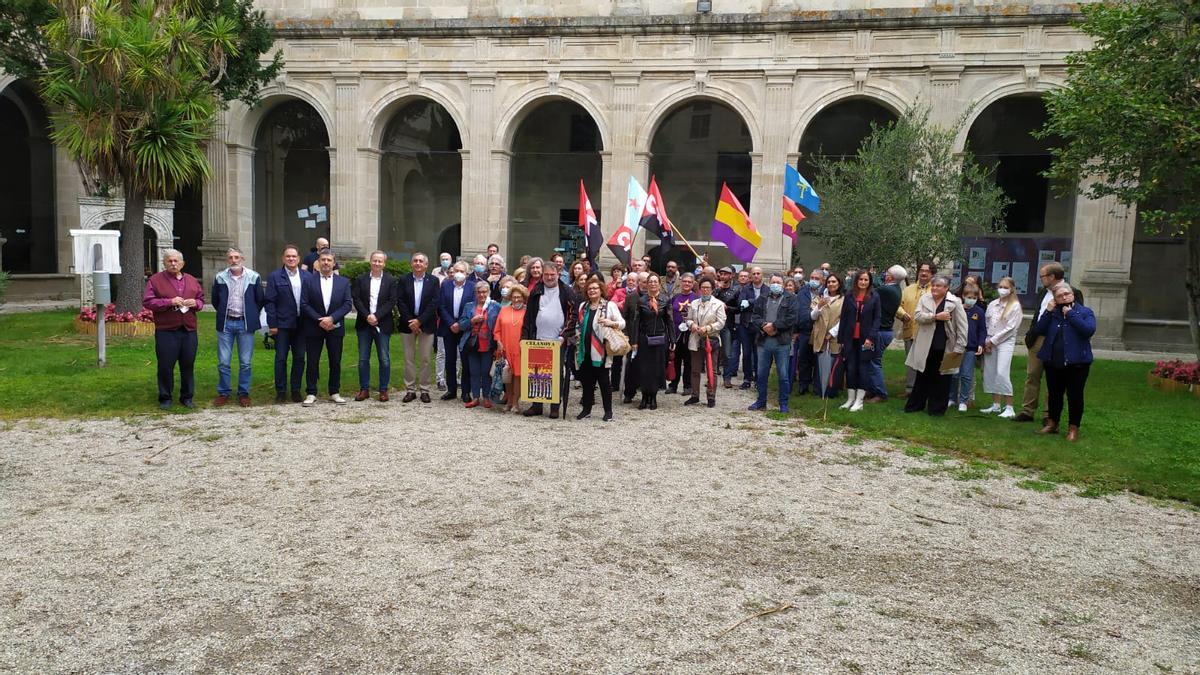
point(3, 286)
point(1178, 370)
point(352, 269)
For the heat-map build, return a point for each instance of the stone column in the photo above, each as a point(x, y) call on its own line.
point(218, 230)
point(1102, 252)
point(240, 193)
point(621, 164)
point(346, 233)
point(641, 172)
point(608, 219)
point(497, 228)
point(480, 221)
point(366, 202)
point(767, 191)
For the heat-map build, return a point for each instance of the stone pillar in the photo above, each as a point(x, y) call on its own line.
point(497, 228)
point(346, 233)
point(218, 228)
point(480, 221)
point(641, 172)
point(767, 191)
point(620, 165)
point(241, 200)
point(366, 204)
point(608, 220)
point(1102, 252)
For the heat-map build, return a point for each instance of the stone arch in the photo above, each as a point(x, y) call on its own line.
point(243, 129)
point(380, 113)
point(1041, 87)
point(96, 212)
point(715, 93)
point(510, 120)
point(885, 98)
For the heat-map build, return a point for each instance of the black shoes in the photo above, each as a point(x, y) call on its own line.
point(645, 403)
point(692, 401)
point(450, 396)
point(584, 414)
point(425, 397)
point(654, 402)
point(164, 405)
point(607, 416)
point(410, 397)
point(712, 402)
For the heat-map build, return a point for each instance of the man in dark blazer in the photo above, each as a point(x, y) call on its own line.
point(284, 322)
point(418, 303)
point(324, 303)
point(374, 300)
point(455, 290)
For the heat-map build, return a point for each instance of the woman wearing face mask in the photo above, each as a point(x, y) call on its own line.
point(941, 332)
point(1003, 319)
point(962, 387)
point(597, 315)
point(626, 297)
point(858, 333)
point(1066, 354)
point(477, 323)
point(704, 321)
point(654, 332)
point(826, 313)
point(507, 335)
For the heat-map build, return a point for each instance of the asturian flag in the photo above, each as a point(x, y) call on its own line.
point(792, 215)
point(589, 224)
point(621, 241)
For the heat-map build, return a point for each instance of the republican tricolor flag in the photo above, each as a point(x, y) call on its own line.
point(589, 224)
point(732, 227)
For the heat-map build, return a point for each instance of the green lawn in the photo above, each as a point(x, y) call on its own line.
point(1132, 437)
point(46, 369)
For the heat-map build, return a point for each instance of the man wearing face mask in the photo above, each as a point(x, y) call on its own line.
point(705, 321)
point(726, 294)
point(374, 297)
point(750, 294)
point(806, 359)
point(442, 271)
point(683, 364)
point(772, 320)
point(478, 271)
point(455, 291)
point(237, 297)
point(889, 306)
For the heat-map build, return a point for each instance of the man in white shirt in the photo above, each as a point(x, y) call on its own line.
point(374, 296)
point(549, 315)
point(417, 301)
point(456, 290)
point(284, 323)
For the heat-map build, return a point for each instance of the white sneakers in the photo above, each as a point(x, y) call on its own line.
point(337, 398)
point(312, 400)
point(850, 396)
point(962, 407)
point(1008, 413)
point(993, 408)
point(859, 395)
point(309, 400)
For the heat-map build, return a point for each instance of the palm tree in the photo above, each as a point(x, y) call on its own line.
point(133, 101)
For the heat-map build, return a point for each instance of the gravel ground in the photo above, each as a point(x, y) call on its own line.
point(371, 537)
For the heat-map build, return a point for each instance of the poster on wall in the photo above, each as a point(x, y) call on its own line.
point(977, 259)
point(1010, 250)
point(541, 376)
point(1020, 275)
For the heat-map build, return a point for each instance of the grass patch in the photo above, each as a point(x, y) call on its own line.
point(41, 357)
point(1037, 485)
point(1133, 437)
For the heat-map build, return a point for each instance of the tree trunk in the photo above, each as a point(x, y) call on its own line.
point(131, 283)
point(1193, 284)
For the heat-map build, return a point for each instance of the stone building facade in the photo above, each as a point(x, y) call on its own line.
point(452, 124)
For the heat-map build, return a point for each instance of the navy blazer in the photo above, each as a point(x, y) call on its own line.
point(804, 298)
point(747, 293)
point(1076, 329)
point(871, 313)
point(405, 302)
point(446, 304)
point(384, 304)
point(282, 309)
point(312, 304)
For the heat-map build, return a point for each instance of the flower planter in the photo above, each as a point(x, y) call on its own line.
point(127, 328)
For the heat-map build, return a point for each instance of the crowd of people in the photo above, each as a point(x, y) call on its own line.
point(634, 334)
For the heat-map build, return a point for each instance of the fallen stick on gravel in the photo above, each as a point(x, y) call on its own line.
point(780, 608)
point(917, 515)
point(164, 449)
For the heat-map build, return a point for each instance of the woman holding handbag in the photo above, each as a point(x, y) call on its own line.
point(477, 323)
point(826, 313)
point(655, 332)
point(597, 318)
point(704, 321)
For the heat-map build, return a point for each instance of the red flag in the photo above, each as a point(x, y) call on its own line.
point(589, 225)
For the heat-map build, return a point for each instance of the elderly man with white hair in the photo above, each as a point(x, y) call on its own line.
point(889, 297)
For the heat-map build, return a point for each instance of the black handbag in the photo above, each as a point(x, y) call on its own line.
point(656, 340)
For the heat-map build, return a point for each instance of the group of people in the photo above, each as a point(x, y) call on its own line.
point(636, 333)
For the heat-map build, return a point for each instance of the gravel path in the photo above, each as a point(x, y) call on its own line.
point(359, 539)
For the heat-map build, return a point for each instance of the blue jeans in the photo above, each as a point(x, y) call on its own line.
point(803, 362)
point(733, 351)
point(877, 387)
point(383, 349)
point(749, 352)
point(780, 353)
point(235, 329)
point(962, 385)
point(479, 372)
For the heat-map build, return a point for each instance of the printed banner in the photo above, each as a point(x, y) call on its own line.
point(541, 377)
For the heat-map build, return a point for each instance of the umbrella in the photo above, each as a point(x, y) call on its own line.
point(564, 379)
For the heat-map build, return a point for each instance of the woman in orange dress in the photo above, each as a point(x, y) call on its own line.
point(508, 339)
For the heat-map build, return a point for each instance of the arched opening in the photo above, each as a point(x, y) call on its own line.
point(291, 181)
point(836, 133)
point(556, 145)
point(697, 146)
point(420, 182)
point(150, 258)
point(1001, 138)
point(26, 183)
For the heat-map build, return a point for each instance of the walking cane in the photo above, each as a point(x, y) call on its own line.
point(564, 386)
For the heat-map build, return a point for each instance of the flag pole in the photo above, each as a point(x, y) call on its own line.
point(675, 229)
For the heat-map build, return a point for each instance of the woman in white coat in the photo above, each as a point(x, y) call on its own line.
point(703, 322)
point(597, 316)
point(938, 348)
point(1003, 319)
